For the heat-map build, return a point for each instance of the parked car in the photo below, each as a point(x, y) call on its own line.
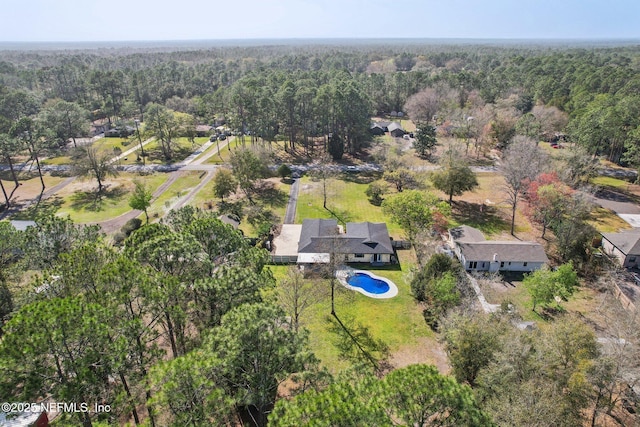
point(213, 138)
point(223, 137)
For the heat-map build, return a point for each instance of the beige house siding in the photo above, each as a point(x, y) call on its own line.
point(384, 258)
point(610, 249)
point(486, 265)
point(628, 261)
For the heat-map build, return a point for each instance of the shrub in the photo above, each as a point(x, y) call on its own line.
point(375, 191)
point(130, 226)
point(284, 171)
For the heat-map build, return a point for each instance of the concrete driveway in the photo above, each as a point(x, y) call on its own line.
point(286, 244)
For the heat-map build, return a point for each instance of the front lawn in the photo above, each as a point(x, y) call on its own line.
point(178, 189)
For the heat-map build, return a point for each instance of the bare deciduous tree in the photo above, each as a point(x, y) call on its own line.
point(422, 106)
point(521, 162)
point(296, 295)
point(96, 164)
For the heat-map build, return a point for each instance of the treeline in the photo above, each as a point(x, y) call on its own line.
point(297, 92)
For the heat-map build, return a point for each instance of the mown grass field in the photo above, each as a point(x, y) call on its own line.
point(80, 202)
point(397, 321)
point(346, 202)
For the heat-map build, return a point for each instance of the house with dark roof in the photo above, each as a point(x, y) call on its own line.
point(377, 129)
point(396, 130)
point(625, 246)
point(361, 242)
point(478, 254)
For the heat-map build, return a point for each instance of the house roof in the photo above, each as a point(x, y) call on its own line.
point(628, 242)
point(312, 229)
point(226, 219)
point(393, 126)
point(509, 251)
point(368, 238)
point(22, 225)
point(464, 233)
point(381, 123)
point(319, 236)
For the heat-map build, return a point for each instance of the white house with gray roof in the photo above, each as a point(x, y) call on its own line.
point(625, 246)
point(478, 254)
point(361, 242)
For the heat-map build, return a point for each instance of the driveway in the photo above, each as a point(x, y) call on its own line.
point(286, 244)
point(290, 215)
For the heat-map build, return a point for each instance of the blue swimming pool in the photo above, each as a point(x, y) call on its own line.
point(368, 283)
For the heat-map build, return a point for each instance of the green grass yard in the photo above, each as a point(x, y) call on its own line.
point(396, 321)
point(346, 201)
point(172, 195)
point(80, 203)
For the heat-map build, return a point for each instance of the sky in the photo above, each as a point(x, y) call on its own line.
point(142, 20)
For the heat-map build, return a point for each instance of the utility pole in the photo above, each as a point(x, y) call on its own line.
point(136, 121)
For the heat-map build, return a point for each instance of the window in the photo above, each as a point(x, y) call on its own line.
point(501, 264)
point(524, 264)
point(483, 265)
point(473, 264)
point(358, 256)
point(632, 259)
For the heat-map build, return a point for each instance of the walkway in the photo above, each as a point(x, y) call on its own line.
point(486, 307)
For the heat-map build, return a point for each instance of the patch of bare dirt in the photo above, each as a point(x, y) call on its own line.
point(426, 350)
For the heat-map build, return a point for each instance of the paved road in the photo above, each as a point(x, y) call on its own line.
point(290, 215)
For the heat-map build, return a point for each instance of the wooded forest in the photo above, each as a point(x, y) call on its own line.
point(182, 321)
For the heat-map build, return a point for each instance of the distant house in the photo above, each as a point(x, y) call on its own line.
point(204, 130)
point(377, 129)
point(625, 246)
point(120, 132)
point(362, 242)
point(395, 130)
point(478, 254)
point(99, 126)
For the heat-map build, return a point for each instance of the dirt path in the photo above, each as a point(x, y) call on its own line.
point(47, 193)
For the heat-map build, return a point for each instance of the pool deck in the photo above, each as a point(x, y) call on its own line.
point(343, 273)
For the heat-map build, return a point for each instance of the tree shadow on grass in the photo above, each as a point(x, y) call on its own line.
point(342, 216)
point(94, 201)
point(267, 193)
point(178, 153)
point(484, 218)
point(50, 205)
point(360, 177)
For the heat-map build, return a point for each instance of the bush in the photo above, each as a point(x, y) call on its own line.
point(437, 285)
point(375, 191)
point(118, 238)
point(130, 226)
point(284, 171)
